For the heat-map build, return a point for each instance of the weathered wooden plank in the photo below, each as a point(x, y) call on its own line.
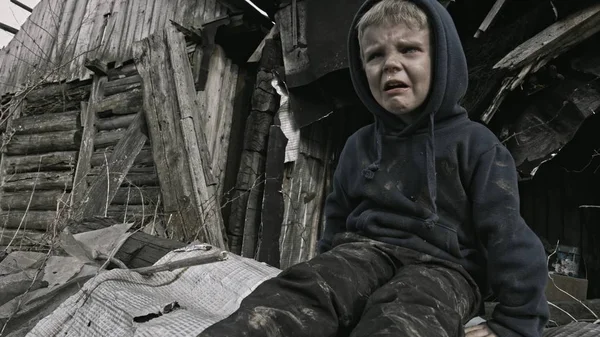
point(554, 40)
point(140, 13)
point(305, 196)
point(58, 57)
point(137, 179)
point(122, 84)
point(209, 10)
point(100, 157)
point(132, 213)
point(88, 119)
point(108, 138)
point(291, 21)
point(116, 122)
point(198, 19)
point(54, 161)
point(158, 8)
point(251, 171)
point(137, 196)
point(249, 178)
point(116, 28)
point(164, 129)
point(103, 189)
point(146, 21)
point(124, 103)
point(50, 40)
point(224, 129)
point(75, 26)
point(100, 26)
point(487, 22)
point(197, 148)
point(126, 38)
point(256, 138)
point(146, 170)
point(211, 98)
point(272, 205)
point(123, 71)
point(167, 14)
point(17, 238)
point(62, 121)
point(37, 220)
point(549, 122)
point(98, 67)
point(34, 200)
point(45, 142)
point(82, 37)
point(61, 180)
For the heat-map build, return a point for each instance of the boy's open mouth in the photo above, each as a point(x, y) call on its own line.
point(394, 84)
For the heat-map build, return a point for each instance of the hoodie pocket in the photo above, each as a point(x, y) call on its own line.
point(446, 238)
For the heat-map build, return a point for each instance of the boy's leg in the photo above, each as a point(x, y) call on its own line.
point(317, 298)
point(421, 300)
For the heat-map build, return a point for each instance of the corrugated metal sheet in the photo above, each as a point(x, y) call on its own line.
point(59, 35)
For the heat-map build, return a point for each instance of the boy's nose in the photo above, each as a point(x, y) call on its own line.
point(392, 65)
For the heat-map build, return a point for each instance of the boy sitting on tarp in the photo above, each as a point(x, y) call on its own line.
point(424, 214)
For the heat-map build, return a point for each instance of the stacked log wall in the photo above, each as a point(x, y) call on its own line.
point(39, 155)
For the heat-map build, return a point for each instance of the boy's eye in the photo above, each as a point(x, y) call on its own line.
point(408, 50)
point(373, 56)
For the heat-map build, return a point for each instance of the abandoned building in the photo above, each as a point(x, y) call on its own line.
point(209, 121)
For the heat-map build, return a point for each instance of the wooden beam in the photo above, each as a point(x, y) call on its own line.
point(38, 220)
point(8, 28)
point(61, 180)
point(122, 85)
point(103, 189)
point(267, 247)
point(176, 145)
point(487, 22)
point(22, 5)
point(34, 200)
point(195, 139)
point(62, 121)
point(43, 142)
point(97, 66)
point(554, 40)
point(53, 161)
point(247, 196)
point(86, 149)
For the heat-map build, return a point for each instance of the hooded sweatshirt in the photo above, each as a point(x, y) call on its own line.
point(442, 185)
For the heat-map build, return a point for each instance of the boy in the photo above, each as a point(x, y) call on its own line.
point(424, 214)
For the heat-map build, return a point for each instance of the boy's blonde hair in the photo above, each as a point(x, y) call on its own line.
point(393, 12)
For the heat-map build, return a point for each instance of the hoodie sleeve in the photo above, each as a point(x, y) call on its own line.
point(337, 207)
point(517, 268)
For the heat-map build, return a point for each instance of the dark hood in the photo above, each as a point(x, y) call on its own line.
point(449, 73)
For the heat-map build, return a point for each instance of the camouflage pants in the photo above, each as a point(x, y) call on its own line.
point(359, 288)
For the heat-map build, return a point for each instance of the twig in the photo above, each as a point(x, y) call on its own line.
point(183, 263)
point(559, 308)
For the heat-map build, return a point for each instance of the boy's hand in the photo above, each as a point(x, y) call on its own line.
point(481, 330)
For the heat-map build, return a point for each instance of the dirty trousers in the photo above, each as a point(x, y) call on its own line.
point(358, 289)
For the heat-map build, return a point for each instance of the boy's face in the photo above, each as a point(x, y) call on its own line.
point(397, 62)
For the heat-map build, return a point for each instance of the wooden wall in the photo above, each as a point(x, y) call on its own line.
point(59, 35)
point(112, 101)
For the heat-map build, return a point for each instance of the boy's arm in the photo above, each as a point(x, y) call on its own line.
point(337, 207)
point(517, 268)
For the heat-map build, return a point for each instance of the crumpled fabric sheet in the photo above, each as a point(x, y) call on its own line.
point(174, 303)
